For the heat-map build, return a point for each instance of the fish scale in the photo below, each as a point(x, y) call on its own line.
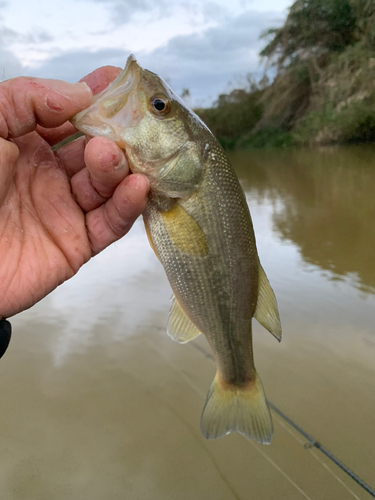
point(199, 226)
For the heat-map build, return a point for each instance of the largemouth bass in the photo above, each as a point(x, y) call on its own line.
point(199, 226)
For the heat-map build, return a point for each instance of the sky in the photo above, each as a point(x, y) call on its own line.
point(207, 46)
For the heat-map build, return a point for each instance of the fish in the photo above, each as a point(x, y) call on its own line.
point(198, 223)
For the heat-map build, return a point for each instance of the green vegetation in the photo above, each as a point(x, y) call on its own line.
point(323, 59)
point(233, 114)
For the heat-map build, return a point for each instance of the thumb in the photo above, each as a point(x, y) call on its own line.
point(8, 162)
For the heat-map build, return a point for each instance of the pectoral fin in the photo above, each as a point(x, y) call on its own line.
point(266, 312)
point(180, 328)
point(184, 231)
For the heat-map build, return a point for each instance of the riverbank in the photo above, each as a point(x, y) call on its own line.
point(341, 111)
point(322, 91)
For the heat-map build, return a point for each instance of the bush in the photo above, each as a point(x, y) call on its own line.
point(267, 138)
point(352, 123)
point(233, 115)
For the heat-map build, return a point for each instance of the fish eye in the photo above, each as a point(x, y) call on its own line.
point(160, 104)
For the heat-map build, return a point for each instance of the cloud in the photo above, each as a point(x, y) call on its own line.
point(73, 65)
point(205, 63)
point(10, 65)
point(9, 35)
point(39, 36)
point(121, 11)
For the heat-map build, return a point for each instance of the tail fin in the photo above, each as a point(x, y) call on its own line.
point(237, 409)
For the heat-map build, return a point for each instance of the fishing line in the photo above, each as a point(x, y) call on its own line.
point(279, 469)
point(312, 452)
point(315, 444)
point(253, 444)
point(323, 464)
point(312, 442)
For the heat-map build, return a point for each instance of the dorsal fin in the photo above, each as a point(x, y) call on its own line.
point(180, 328)
point(266, 312)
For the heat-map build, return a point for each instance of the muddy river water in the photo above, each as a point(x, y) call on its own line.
point(97, 402)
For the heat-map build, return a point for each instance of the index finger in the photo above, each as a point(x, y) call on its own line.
point(26, 102)
point(98, 80)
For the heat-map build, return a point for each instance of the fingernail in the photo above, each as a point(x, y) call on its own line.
point(113, 159)
point(108, 158)
point(69, 89)
point(83, 87)
point(78, 93)
point(133, 181)
point(137, 180)
point(122, 163)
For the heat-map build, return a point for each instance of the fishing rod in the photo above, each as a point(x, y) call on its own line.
point(312, 442)
point(315, 444)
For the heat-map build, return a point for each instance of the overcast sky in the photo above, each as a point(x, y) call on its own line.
point(201, 45)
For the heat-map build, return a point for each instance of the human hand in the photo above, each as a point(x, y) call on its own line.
point(57, 210)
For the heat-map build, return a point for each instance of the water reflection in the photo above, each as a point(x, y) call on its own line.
point(98, 401)
point(327, 205)
point(114, 293)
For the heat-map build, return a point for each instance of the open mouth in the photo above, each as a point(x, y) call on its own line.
point(111, 109)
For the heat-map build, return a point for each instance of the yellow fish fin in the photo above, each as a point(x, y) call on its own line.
point(266, 312)
point(180, 328)
point(230, 408)
point(184, 231)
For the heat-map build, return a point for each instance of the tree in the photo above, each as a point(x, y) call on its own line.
point(313, 29)
point(300, 50)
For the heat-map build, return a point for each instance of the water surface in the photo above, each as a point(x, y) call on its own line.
point(97, 402)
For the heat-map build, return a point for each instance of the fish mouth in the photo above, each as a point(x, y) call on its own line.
point(109, 111)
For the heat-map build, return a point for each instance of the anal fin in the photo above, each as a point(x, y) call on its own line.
point(180, 327)
point(266, 312)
